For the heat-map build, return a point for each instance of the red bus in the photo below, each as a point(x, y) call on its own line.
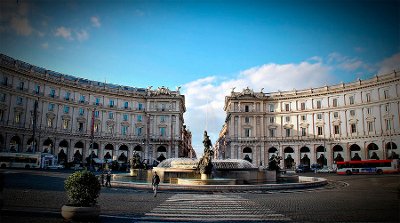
point(368, 167)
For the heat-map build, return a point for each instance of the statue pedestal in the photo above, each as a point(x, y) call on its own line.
point(270, 175)
point(205, 176)
point(134, 172)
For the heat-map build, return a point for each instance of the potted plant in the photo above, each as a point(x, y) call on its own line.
point(83, 189)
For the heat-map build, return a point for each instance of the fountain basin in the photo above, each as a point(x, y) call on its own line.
point(213, 181)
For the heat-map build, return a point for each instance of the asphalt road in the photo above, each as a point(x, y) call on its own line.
point(37, 196)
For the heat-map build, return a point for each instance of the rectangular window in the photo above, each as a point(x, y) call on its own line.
point(65, 124)
point(271, 108)
point(387, 108)
point(303, 117)
point(247, 132)
point(162, 118)
point(303, 132)
point(125, 117)
point(1, 115)
point(96, 114)
point(271, 120)
point(246, 108)
point(124, 130)
point(287, 132)
point(162, 131)
point(370, 126)
point(351, 100)
point(336, 114)
point(49, 122)
point(37, 89)
point(352, 112)
point(335, 102)
point(319, 129)
point(67, 95)
point(353, 128)
point(318, 104)
point(388, 125)
point(2, 97)
point(110, 115)
point(52, 92)
point(369, 111)
point(96, 128)
point(368, 96)
point(287, 107)
point(272, 132)
point(336, 129)
point(246, 119)
point(110, 129)
point(303, 106)
point(81, 111)
point(66, 109)
point(5, 80)
point(386, 94)
point(17, 118)
point(111, 103)
point(21, 85)
point(162, 107)
point(82, 99)
point(139, 118)
point(97, 101)
point(51, 107)
point(319, 116)
point(126, 104)
point(19, 100)
point(139, 131)
point(80, 126)
point(140, 106)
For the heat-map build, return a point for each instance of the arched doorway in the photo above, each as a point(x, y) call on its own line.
point(62, 148)
point(108, 150)
point(47, 146)
point(123, 152)
point(248, 154)
point(320, 155)
point(373, 151)
point(288, 161)
point(338, 153)
point(304, 154)
point(391, 149)
point(272, 151)
point(15, 144)
point(29, 145)
point(355, 151)
point(78, 148)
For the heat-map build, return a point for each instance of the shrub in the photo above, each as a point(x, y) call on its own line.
point(83, 189)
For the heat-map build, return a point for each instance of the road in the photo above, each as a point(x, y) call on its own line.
point(37, 196)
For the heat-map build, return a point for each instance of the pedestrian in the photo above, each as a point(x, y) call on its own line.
point(102, 178)
point(154, 182)
point(108, 178)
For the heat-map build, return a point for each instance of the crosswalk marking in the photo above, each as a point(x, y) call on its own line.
point(211, 208)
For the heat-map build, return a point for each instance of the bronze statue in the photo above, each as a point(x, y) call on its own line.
point(135, 161)
point(205, 165)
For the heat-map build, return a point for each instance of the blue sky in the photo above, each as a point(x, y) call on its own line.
point(207, 47)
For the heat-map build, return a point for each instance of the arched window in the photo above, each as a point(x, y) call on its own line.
point(109, 147)
point(79, 145)
point(272, 150)
point(247, 150)
point(288, 150)
point(137, 148)
point(161, 149)
point(304, 149)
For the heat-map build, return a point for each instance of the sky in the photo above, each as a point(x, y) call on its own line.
point(206, 47)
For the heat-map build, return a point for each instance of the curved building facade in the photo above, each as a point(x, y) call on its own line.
point(358, 120)
point(76, 117)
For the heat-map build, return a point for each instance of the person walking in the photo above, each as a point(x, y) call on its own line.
point(154, 182)
point(108, 178)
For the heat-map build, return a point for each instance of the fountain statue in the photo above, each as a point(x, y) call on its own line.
point(205, 163)
point(134, 164)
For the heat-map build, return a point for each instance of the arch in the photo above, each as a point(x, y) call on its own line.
point(337, 153)
point(288, 150)
point(79, 145)
point(161, 149)
point(109, 147)
point(339, 158)
point(355, 147)
point(321, 160)
point(15, 144)
point(77, 156)
point(247, 150)
point(337, 148)
point(304, 149)
point(123, 147)
point(63, 144)
point(372, 146)
point(48, 142)
point(137, 148)
point(48, 145)
point(391, 145)
point(356, 157)
point(29, 145)
point(95, 145)
point(62, 157)
point(272, 150)
point(321, 149)
point(289, 161)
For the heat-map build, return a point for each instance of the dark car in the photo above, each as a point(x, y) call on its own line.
point(302, 168)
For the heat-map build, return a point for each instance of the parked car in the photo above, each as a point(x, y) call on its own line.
point(55, 167)
point(302, 168)
point(325, 169)
point(315, 167)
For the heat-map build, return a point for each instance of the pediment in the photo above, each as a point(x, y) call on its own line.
point(288, 126)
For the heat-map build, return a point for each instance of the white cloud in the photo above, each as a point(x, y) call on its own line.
point(64, 33)
point(21, 26)
point(390, 64)
point(82, 35)
point(45, 45)
point(205, 98)
point(345, 63)
point(95, 21)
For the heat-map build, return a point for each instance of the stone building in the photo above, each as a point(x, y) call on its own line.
point(70, 110)
point(358, 120)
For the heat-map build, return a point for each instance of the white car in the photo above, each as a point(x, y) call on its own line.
point(325, 170)
point(55, 167)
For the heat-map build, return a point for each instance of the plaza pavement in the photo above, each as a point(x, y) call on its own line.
point(37, 196)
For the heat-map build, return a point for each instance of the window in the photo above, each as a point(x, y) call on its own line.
point(287, 132)
point(387, 108)
point(319, 129)
point(139, 131)
point(2, 97)
point(162, 107)
point(140, 106)
point(386, 94)
point(271, 120)
point(388, 125)
point(37, 89)
point(66, 109)
point(82, 99)
point(81, 111)
point(1, 115)
point(287, 118)
point(370, 126)
point(303, 117)
point(353, 128)
point(287, 107)
point(139, 118)
point(65, 124)
point(110, 115)
point(67, 95)
point(351, 100)
point(21, 85)
point(124, 130)
point(319, 116)
point(303, 131)
point(368, 96)
point(335, 103)
point(247, 132)
point(96, 114)
point(17, 118)
point(80, 126)
point(49, 122)
point(126, 104)
point(19, 100)
point(110, 129)
point(51, 107)
point(303, 106)
point(97, 101)
point(125, 117)
point(336, 114)
point(246, 108)
point(5, 80)
point(336, 129)
point(318, 104)
point(271, 108)
point(272, 132)
point(162, 131)
point(352, 113)
point(111, 103)
point(96, 127)
point(369, 111)
point(246, 119)
point(52, 93)
point(162, 118)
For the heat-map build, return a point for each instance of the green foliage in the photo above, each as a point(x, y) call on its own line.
point(83, 189)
